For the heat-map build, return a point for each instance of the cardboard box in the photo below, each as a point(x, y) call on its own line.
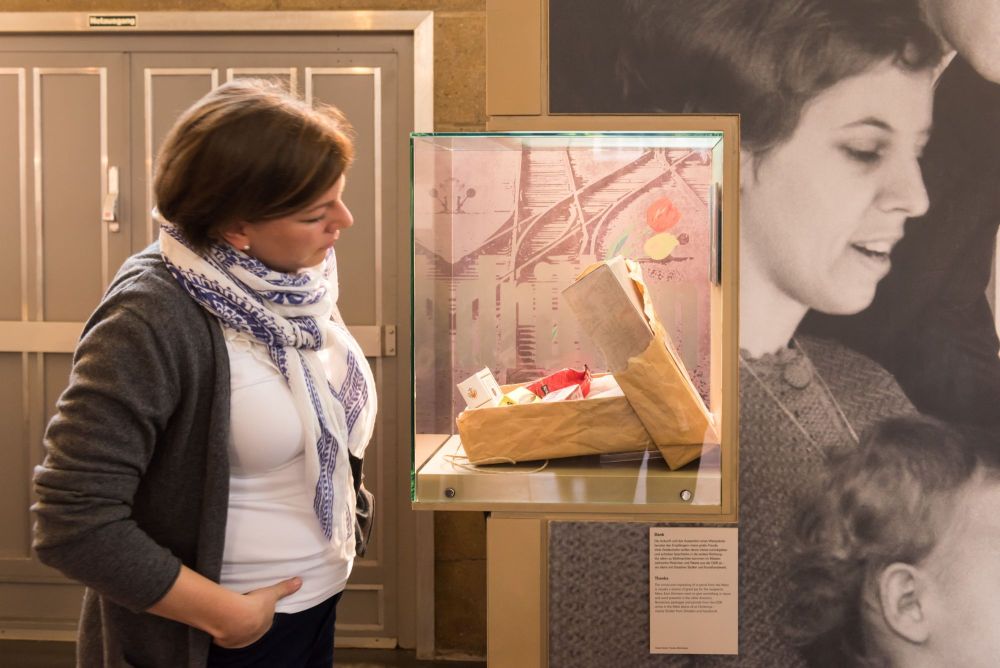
point(480, 389)
point(539, 430)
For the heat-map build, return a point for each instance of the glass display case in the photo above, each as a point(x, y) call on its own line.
point(604, 253)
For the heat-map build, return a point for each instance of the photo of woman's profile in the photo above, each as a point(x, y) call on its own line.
point(933, 322)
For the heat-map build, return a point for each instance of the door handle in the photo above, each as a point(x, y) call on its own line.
point(109, 207)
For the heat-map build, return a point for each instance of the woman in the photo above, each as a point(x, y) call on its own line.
point(836, 106)
point(932, 324)
point(197, 476)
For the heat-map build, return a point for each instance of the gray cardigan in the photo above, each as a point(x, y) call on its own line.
point(136, 477)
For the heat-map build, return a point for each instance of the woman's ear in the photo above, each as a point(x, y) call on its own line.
point(902, 589)
point(235, 234)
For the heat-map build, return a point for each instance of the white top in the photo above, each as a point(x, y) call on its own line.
point(272, 532)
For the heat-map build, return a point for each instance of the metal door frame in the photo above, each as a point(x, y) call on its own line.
point(416, 592)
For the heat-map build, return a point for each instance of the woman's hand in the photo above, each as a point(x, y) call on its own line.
point(250, 626)
point(233, 620)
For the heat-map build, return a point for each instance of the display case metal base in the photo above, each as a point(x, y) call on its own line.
point(640, 485)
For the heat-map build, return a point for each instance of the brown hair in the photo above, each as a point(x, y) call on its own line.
point(764, 59)
point(248, 151)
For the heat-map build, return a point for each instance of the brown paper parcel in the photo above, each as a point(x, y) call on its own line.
point(538, 430)
point(612, 303)
point(661, 396)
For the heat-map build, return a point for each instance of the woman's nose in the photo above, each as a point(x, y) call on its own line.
point(904, 190)
point(343, 218)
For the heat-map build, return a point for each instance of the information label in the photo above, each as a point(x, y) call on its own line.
point(692, 590)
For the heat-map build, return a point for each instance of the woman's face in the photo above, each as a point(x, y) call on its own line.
point(822, 210)
point(298, 240)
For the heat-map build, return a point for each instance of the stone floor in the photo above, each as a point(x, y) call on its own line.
point(42, 654)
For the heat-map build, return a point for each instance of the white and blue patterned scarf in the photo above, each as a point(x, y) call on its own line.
point(290, 315)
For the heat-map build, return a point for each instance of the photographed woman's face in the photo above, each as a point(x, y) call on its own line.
point(821, 211)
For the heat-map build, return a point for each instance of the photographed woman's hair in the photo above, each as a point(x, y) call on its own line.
point(885, 501)
point(248, 151)
point(764, 59)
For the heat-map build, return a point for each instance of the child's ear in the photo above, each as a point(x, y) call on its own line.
point(901, 589)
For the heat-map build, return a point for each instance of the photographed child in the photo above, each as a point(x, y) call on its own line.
point(897, 552)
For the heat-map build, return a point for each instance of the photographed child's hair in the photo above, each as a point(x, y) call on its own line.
point(250, 151)
point(885, 501)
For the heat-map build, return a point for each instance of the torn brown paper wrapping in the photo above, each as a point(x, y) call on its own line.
point(612, 304)
point(539, 430)
point(661, 396)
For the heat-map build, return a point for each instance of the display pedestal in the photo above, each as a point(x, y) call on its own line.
point(516, 632)
point(525, 500)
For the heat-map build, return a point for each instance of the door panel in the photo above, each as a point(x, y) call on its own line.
point(165, 93)
point(14, 498)
point(288, 77)
point(64, 114)
point(14, 541)
point(13, 193)
point(360, 93)
point(70, 129)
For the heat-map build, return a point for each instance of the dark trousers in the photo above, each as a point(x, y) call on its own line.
point(297, 640)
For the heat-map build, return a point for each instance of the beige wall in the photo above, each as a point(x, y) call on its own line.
point(459, 105)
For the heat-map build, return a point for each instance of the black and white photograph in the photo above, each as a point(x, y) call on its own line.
point(869, 368)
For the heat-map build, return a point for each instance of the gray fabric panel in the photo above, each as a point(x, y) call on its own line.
point(599, 596)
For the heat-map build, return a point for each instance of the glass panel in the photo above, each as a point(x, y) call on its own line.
point(503, 223)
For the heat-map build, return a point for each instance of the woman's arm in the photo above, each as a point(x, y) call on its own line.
point(123, 389)
point(233, 620)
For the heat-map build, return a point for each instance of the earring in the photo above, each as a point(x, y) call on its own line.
point(246, 248)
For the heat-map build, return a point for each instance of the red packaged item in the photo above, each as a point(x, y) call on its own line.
point(560, 379)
